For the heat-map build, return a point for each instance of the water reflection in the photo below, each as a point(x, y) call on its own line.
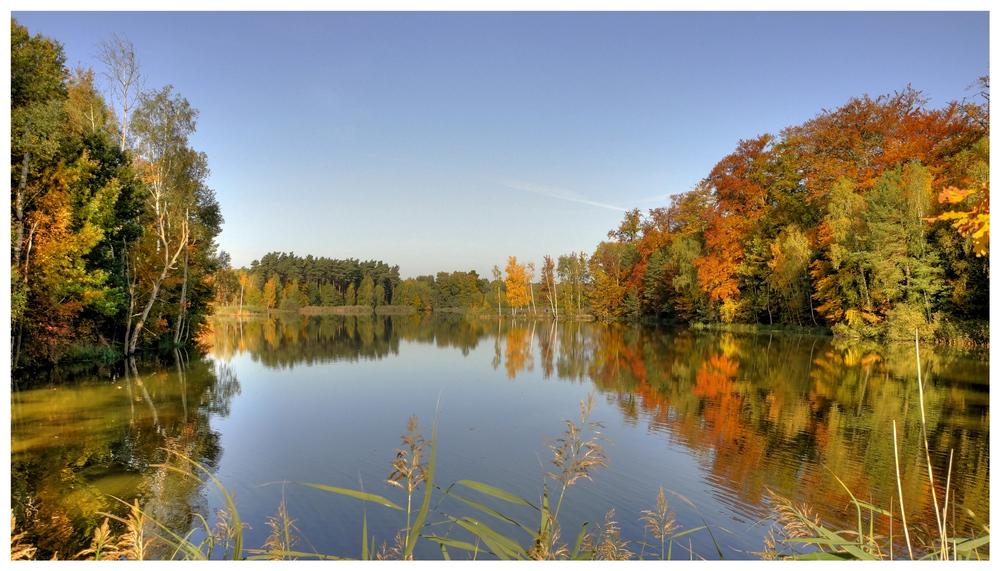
point(286, 340)
point(757, 412)
point(81, 439)
point(761, 412)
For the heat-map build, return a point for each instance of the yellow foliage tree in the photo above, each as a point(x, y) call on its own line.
point(271, 292)
point(517, 290)
point(976, 220)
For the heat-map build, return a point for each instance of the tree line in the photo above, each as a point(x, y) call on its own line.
point(113, 225)
point(871, 219)
point(286, 281)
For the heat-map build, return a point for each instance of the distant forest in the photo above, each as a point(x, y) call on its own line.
point(871, 220)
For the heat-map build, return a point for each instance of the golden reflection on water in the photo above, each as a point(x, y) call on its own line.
point(777, 412)
point(760, 412)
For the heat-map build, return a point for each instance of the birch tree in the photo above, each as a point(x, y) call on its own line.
point(162, 124)
point(122, 71)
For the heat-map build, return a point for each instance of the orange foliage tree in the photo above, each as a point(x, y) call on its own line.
point(516, 282)
point(738, 183)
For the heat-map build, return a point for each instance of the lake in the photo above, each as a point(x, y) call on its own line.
point(717, 418)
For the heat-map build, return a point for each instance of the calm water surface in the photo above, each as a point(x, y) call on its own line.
point(717, 418)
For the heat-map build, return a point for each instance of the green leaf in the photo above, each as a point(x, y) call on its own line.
point(489, 511)
point(495, 492)
point(354, 494)
point(970, 544)
point(579, 540)
point(502, 546)
point(850, 546)
point(451, 542)
point(364, 537)
point(819, 556)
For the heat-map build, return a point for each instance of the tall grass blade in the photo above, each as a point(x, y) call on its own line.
point(230, 503)
point(495, 492)
point(708, 527)
point(579, 541)
point(365, 556)
point(501, 546)
point(355, 494)
point(857, 507)
point(490, 511)
point(969, 545)
point(443, 541)
point(821, 556)
point(947, 489)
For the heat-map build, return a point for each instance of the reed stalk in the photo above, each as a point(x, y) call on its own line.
point(899, 486)
point(927, 453)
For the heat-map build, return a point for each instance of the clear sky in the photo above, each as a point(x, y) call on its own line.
point(450, 141)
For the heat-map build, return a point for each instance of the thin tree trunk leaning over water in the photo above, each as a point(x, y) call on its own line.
point(168, 263)
point(181, 305)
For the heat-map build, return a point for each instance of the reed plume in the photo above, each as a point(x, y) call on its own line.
point(409, 469)
point(18, 550)
point(661, 522)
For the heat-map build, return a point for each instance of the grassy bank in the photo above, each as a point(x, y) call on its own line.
point(394, 310)
point(253, 310)
point(337, 310)
point(235, 310)
point(760, 328)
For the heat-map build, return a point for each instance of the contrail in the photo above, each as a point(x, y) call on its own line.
point(556, 192)
point(550, 191)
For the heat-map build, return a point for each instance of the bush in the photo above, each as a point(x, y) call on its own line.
point(961, 332)
point(902, 320)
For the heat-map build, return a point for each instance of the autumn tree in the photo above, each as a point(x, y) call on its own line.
point(37, 92)
point(498, 287)
point(789, 278)
point(868, 135)
point(270, 292)
point(573, 276)
point(243, 283)
point(173, 174)
point(74, 200)
point(122, 71)
point(529, 279)
point(607, 268)
point(547, 291)
point(740, 198)
point(516, 284)
point(841, 275)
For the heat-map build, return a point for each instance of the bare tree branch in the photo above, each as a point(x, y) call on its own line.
point(122, 72)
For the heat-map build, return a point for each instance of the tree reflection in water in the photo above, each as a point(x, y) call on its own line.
point(759, 412)
point(82, 437)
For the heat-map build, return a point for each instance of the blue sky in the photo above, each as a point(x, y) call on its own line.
point(450, 141)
